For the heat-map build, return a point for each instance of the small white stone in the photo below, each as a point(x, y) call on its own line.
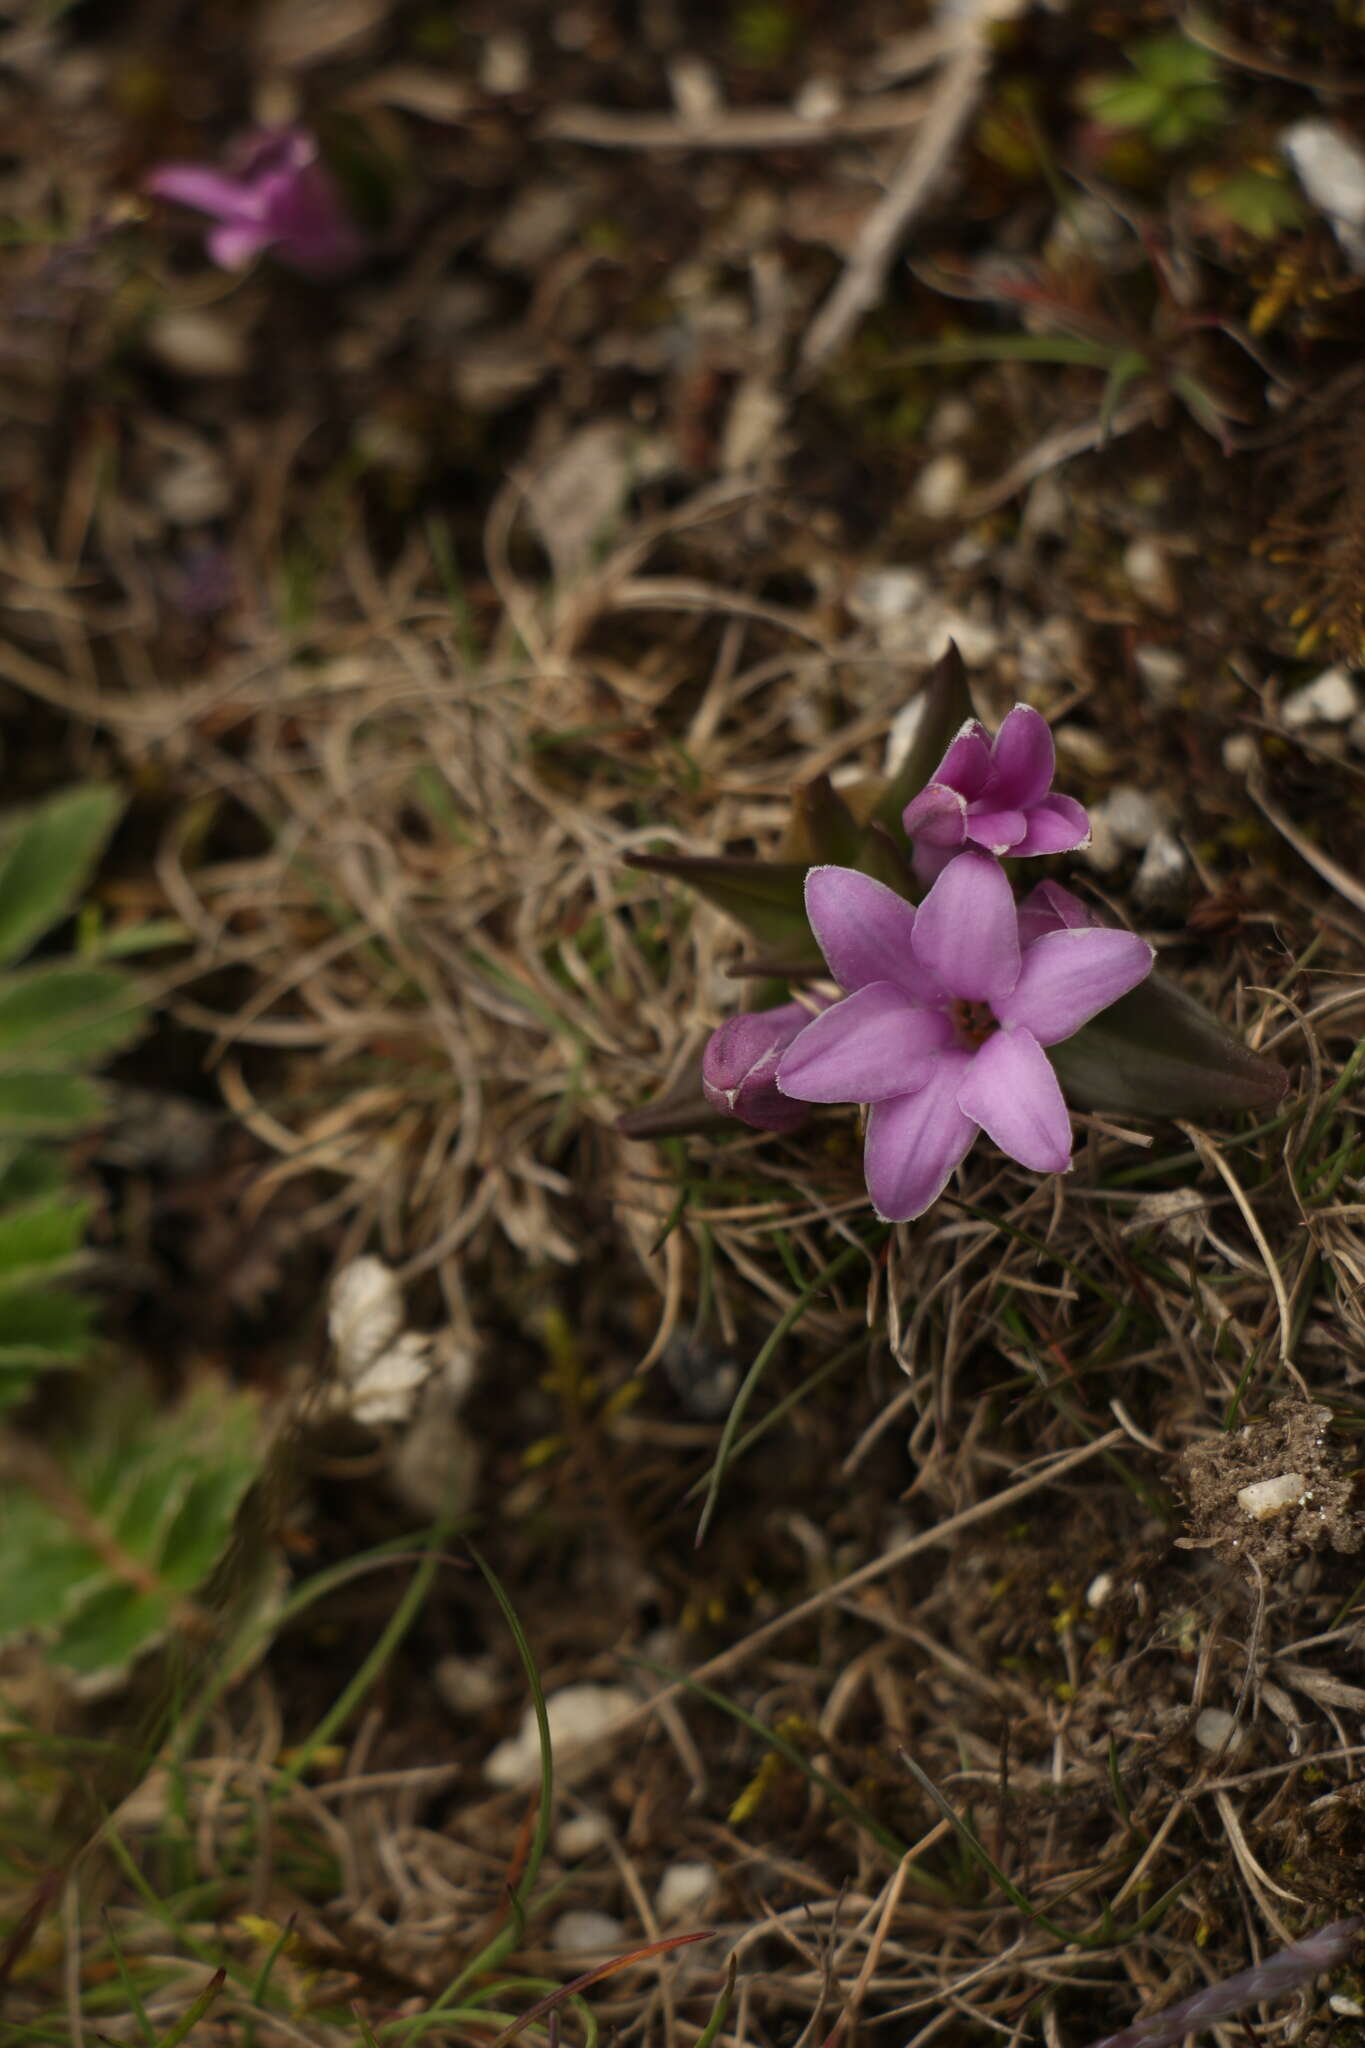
point(1216, 1729)
point(1267, 1497)
point(1132, 815)
point(467, 1685)
point(941, 485)
point(1330, 699)
point(582, 1933)
point(579, 1835)
point(505, 66)
point(1099, 1589)
point(364, 1313)
point(818, 100)
point(1148, 570)
point(1162, 869)
point(193, 488)
point(1162, 673)
point(1331, 169)
point(951, 419)
point(683, 1890)
point(387, 1389)
point(577, 1714)
point(1349, 2008)
point(197, 344)
point(1077, 743)
point(695, 88)
point(882, 597)
point(1240, 753)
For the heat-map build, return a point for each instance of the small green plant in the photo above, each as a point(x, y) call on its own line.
point(107, 1539)
point(1171, 95)
point(59, 1018)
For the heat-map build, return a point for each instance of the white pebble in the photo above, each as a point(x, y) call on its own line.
point(1267, 1497)
point(582, 1933)
point(1148, 570)
point(467, 1685)
point(579, 1835)
point(1133, 816)
point(1162, 869)
point(1330, 699)
point(1099, 1589)
point(1331, 169)
point(949, 421)
point(364, 1313)
point(818, 100)
point(195, 344)
point(577, 1714)
point(1349, 2008)
point(505, 66)
point(683, 1890)
point(1217, 1729)
point(941, 485)
point(1240, 753)
point(1162, 672)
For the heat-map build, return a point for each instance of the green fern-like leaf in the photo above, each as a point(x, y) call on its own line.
point(106, 1545)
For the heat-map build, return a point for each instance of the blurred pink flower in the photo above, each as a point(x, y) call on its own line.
point(995, 794)
point(275, 195)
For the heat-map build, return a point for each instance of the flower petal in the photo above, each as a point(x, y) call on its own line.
point(1024, 759)
point(237, 243)
point(1051, 908)
point(915, 1141)
point(1055, 825)
point(739, 1067)
point(865, 931)
point(1068, 977)
point(937, 816)
point(207, 191)
point(967, 764)
point(874, 1044)
point(1013, 1094)
point(999, 831)
point(967, 932)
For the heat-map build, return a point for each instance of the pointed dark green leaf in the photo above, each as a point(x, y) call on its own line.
point(948, 706)
point(33, 1105)
point(766, 897)
point(879, 855)
point(1157, 1052)
point(37, 1239)
point(47, 859)
point(66, 1016)
point(681, 1109)
point(39, 1327)
point(823, 828)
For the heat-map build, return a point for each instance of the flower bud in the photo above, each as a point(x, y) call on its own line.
point(739, 1067)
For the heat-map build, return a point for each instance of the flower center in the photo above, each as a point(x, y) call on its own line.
point(975, 1022)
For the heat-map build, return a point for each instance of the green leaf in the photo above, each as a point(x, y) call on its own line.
point(1124, 102)
point(38, 1238)
point(681, 1109)
point(1157, 1052)
point(107, 1630)
point(47, 860)
point(880, 855)
point(947, 708)
point(66, 1016)
point(140, 1508)
point(36, 1104)
point(766, 897)
point(40, 1328)
point(823, 828)
point(27, 1174)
